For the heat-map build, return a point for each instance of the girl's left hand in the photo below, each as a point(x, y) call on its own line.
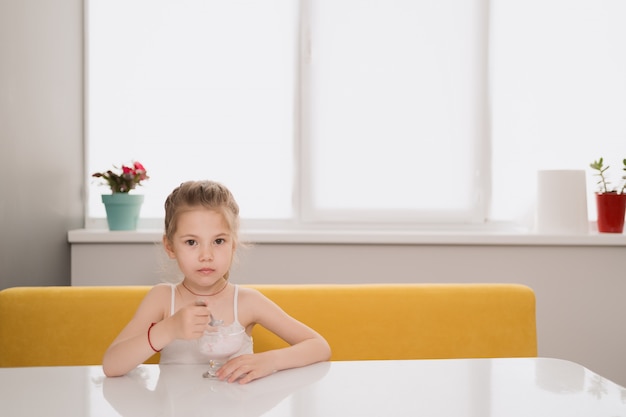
point(246, 368)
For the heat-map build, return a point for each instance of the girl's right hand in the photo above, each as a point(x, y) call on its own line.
point(191, 321)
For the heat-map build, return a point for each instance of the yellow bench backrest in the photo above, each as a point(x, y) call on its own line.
point(48, 326)
point(412, 321)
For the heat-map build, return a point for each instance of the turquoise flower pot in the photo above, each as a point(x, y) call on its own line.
point(122, 210)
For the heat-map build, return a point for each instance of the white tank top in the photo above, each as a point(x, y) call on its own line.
point(181, 351)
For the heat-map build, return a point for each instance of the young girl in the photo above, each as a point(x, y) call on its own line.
point(201, 234)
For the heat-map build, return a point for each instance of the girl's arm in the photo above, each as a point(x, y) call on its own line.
point(306, 345)
point(132, 346)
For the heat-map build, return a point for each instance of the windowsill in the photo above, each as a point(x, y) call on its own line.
point(400, 237)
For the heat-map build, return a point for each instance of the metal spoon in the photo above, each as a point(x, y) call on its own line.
point(213, 322)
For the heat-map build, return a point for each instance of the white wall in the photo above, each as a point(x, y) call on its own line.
point(41, 166)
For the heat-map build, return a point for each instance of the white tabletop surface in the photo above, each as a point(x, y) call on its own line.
point(478, 388)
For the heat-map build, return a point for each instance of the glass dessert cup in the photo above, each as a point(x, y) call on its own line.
point(219, 345)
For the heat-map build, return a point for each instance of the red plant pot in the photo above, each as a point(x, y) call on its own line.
point(611, 209)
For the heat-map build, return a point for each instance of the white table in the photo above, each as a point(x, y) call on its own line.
point(479, 388)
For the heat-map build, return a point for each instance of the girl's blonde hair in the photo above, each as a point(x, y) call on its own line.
point(208, 194)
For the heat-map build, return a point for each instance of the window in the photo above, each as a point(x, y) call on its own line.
point(380, 112)
point(194, 90)
point(558, 94)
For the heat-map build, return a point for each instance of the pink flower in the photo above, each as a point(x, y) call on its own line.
point(126, 180)
point(141, 171)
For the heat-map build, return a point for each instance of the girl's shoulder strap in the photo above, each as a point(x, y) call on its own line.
point(173, 302)
point(235, 299)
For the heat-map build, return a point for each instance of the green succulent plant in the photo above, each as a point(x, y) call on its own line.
point(603, 182)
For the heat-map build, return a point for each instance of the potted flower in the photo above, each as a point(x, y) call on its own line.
point(610, 201)
point(121, 207)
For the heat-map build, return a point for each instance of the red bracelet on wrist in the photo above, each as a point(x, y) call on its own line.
point(149, 342)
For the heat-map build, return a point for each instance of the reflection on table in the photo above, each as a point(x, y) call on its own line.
point(474, 387)
point(180, 390)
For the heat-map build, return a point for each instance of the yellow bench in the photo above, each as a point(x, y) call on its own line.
point(50, 326)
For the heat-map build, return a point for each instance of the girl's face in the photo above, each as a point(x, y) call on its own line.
point(203, 246)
